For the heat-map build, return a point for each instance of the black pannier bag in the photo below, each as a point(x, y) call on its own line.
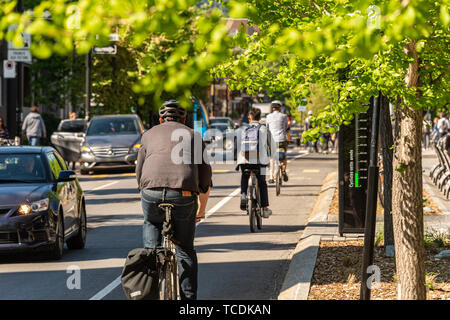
point(140, 279)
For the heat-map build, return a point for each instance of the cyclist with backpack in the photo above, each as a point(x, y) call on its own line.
point(277, 124)
point(255, 154)
point(161, 178)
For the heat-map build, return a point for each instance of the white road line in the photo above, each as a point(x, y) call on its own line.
point(105, 291)
point(117, 282)
point(298, 156)
point(101, 187)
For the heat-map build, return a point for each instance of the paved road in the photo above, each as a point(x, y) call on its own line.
point(233, 262)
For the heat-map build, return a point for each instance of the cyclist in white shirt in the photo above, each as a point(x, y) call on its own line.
point(277, 124)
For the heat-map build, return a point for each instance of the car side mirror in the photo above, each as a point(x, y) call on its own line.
point(67, 176)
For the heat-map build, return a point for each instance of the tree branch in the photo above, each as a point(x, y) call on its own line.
point(319, 8)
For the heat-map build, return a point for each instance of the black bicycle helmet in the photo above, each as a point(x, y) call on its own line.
point(172, 109)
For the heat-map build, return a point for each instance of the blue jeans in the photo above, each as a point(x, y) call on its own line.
point(183, 215)
point(34, 141)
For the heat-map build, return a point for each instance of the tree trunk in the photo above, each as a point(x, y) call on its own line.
point(407, 210)
point(387, 141)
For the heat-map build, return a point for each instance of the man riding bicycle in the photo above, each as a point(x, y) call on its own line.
point(258, 162)
point(163, 179)
point(277, 124)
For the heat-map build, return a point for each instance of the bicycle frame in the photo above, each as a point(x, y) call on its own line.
point(173, 288)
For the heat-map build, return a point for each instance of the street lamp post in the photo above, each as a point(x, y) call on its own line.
point(88, 85)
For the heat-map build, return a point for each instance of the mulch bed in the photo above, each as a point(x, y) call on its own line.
point(337, 275)
point(334, 206)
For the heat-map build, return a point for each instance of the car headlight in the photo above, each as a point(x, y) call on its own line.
point(136, 147)
point(36, 206)
point(24, 209)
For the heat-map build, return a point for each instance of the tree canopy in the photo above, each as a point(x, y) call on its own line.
point(352, 49)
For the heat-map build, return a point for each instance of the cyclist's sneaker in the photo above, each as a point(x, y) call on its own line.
point(285, 176)
point(243, 202)
point(271, 181)
point(266, 213)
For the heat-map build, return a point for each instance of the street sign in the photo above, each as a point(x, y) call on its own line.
point(301, 108)
point(9, 69)
point(354, 145)
point(20, 54)
point(105, 50)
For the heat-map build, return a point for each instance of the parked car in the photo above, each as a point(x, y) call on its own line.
point(68, 137)
point(111, 142)
point(42, 205)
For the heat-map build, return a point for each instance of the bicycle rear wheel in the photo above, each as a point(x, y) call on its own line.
point(168, 283)
point(258, 209)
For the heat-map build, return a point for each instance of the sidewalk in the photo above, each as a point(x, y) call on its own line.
point(324, 227)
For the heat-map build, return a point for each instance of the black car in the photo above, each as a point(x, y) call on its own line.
point(42, 204)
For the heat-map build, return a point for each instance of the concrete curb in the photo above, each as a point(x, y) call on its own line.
point(297, 282)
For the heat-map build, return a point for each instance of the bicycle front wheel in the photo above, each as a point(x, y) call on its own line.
point(278, 182)
point(252, 215)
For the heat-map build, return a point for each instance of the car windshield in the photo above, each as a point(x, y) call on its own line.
point(26, 168)
point(112, 126)
point(72, 126)
point(220, 126)
point(223, 121)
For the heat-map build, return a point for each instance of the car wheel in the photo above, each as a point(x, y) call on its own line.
point(56, 249)
point(84, 172)
point(79, 240)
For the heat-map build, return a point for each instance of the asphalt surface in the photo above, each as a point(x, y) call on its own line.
point(233, 262)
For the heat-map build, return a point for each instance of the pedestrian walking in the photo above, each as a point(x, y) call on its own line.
point(72, 116)
point(426, 132)
point(435, 131)
point(309, 124)
point(34, 127)
point(326, 140)
point(3, 131)
point(442, 125)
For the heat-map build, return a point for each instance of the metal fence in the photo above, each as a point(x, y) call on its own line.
point(440, 174)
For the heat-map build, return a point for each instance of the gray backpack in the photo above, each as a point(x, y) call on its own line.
point(250, 142)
